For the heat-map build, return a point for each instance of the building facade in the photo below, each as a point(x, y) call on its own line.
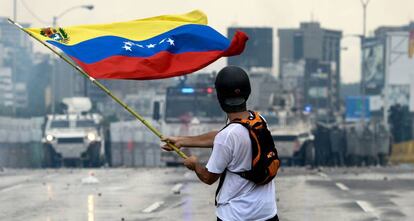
point(319, 49)
point(374, 54)
point(16, 52)
point(259, 49)
point(6, 87)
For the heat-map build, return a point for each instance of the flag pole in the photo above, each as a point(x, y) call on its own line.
point(105, 89)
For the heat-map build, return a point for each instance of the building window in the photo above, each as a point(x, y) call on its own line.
point(298, 46)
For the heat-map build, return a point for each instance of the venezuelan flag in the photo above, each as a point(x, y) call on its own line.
point(152, 48)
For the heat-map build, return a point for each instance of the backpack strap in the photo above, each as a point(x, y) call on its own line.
point(254, 121)
point(222, 177)
point(246, 123)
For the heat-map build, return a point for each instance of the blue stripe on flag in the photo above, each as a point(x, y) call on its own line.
point(186, 38)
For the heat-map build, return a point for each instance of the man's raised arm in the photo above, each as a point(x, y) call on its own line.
point(202, 141)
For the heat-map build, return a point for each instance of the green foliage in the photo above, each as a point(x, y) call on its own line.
point(64, 33)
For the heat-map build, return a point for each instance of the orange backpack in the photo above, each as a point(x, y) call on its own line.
point(265, 161)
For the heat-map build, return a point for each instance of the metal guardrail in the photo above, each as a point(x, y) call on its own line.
point(20, 144)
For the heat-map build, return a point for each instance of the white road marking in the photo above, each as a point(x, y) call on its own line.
point(178, 204)
point(49, 192)
point(366, 207)
point(91, 208)
point(177, 188)
point(342, 186)
point(49, 176)
point(153, 207)
point(322, 174)
point(11, 188)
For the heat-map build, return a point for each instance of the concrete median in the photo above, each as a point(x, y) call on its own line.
point(402, 153)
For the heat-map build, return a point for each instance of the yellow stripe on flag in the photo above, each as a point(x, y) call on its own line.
point(137, 30)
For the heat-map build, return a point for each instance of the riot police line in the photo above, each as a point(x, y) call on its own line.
point(353, 144)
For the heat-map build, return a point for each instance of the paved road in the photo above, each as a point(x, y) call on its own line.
point(148, 194)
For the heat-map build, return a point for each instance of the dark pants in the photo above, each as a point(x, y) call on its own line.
point(275, 218)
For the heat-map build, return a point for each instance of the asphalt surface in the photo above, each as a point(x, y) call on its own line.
point(176, 194)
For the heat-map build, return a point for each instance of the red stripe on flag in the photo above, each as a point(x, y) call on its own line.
point(237, 44)
point(161, 65)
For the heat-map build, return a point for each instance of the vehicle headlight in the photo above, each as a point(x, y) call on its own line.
point(91, 136)
point(49, 138)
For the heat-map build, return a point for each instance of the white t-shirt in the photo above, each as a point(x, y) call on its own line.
point(239, 198)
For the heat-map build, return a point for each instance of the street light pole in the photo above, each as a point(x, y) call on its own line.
point(55, 18)
point(15, 10)
point(363, 75)
point(386, 83)
point(364, 8)
point(53, 79)
point(14, 66)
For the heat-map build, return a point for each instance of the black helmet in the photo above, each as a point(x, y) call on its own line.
point(233, 89)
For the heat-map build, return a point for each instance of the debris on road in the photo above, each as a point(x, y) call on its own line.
point(177, 188)
point(91, 179)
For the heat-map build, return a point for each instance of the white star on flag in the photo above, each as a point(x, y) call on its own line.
point(151, 46)
point(162, 41)
point(139, 45)
point(169, 40)
point(127, 48)
point(128, 43)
